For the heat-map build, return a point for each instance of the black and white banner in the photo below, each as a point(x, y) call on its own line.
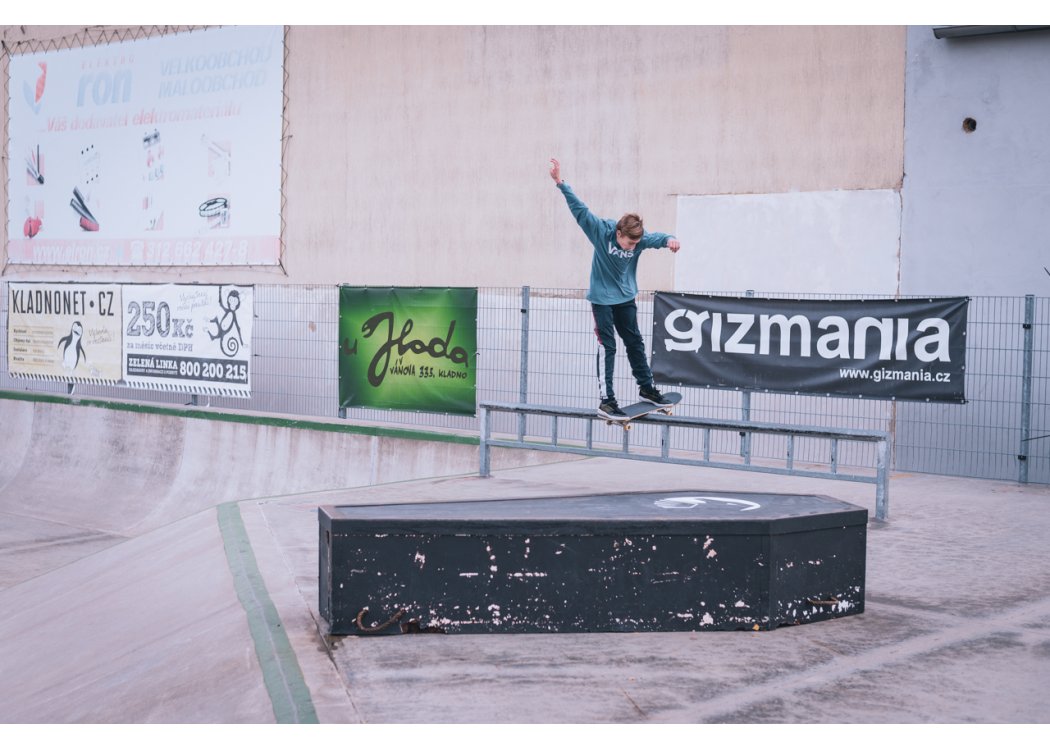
point(911, 349)
point(193, 338)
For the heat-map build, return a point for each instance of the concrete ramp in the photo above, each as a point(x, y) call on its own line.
point(129, 589)
point(75, 479)
point(16, 424)
point(124, 472)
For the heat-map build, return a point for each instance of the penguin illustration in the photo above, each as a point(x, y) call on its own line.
point(71, 347)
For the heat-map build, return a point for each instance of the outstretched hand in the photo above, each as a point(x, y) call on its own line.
point(674, 245)
point(556, 171)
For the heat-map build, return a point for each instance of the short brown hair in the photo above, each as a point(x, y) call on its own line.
point(630, 225)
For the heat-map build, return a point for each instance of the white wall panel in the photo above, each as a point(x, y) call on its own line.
point(835, 242)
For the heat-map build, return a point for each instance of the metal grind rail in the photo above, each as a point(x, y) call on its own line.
point(791, 432)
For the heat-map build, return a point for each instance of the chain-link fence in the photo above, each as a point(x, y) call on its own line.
point(538, 346)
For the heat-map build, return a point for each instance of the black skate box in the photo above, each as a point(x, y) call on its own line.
point(653, 561)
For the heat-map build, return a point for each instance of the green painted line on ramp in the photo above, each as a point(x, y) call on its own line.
point(281, 673)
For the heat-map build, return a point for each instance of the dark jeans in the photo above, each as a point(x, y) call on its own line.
point(621, 319)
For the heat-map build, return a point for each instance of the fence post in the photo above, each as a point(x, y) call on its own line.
point(523, 381)
point(745, 410)
point(1026, 389)
point(484, 451)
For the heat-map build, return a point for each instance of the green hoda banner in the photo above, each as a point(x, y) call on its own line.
point(413, 349)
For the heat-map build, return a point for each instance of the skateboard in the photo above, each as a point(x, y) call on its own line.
point(640, 409)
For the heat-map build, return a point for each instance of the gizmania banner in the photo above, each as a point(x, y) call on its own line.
point(911, 349)
point(163, 151)
point(411, 349)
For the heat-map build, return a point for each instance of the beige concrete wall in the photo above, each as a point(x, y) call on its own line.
point(419, 155)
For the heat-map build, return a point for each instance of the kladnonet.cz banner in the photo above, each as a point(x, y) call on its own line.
point(411, 349)
point(908, 349)
point(64, 332)
point(164, 151)
point(189, 337)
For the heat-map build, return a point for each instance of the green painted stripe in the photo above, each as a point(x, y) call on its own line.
point(281, 673)
point(222, 416)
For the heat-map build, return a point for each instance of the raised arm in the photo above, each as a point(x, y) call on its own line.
point(589, 223)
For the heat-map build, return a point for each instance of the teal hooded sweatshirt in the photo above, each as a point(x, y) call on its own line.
point(613, 269)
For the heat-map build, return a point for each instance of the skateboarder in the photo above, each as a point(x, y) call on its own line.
point(613, 288)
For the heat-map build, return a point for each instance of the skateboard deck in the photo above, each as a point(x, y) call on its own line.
point(640, 409)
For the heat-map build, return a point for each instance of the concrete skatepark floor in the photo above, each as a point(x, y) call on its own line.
point(103, 620)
